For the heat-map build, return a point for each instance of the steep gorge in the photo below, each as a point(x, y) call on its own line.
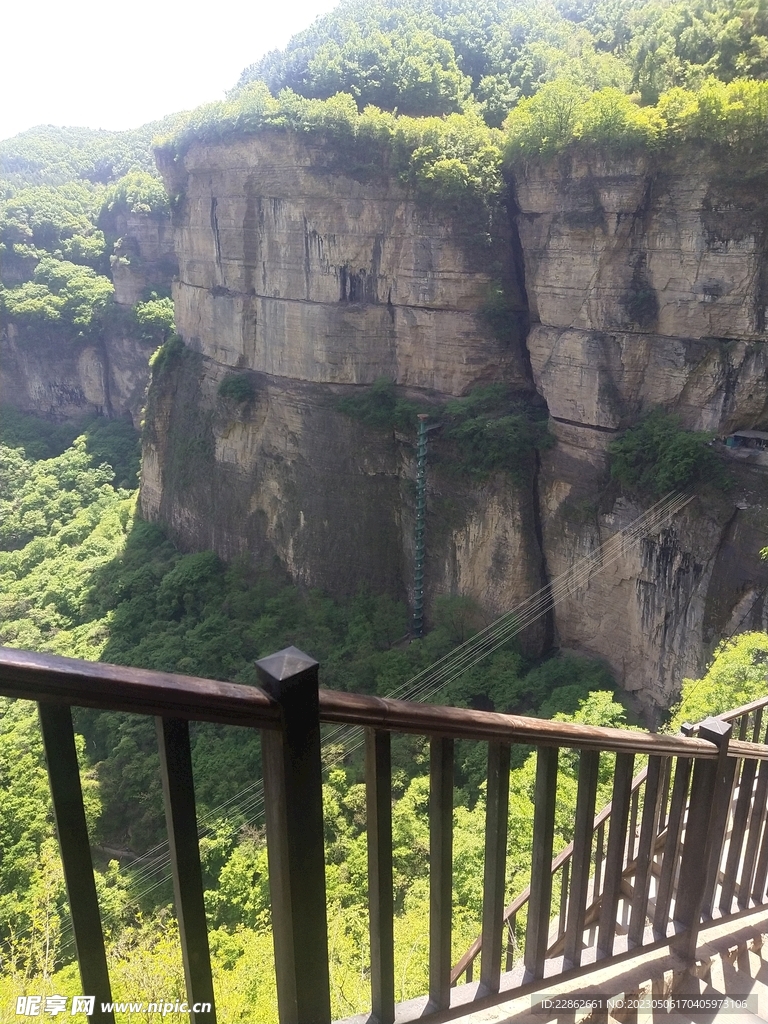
point(644, 285)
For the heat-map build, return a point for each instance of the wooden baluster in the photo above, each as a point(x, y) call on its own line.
point(494, 871)
point(293, 796)
point(671, 846)
point(589, 763)
point(761, 868)
point(721, 810)
point(566, 870)
point(614, 856)
point(181, 822)
point(631, 837)
point(72, 830)
point(648, 833)
point(743, 726)
point(761, 871)
point(440, 870)
point(470, 973)
point(511, 942)
point(756, 823)
point(710, 789)
point(599, 857)
point(738, 830)
point(666, 782)
point(537, 930)
point(378, 783)
point(758, 723)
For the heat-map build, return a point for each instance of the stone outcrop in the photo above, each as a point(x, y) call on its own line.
point(62, 377)
point(143, 257)
point(310, 284)
point(296, 271)
point(645, 287)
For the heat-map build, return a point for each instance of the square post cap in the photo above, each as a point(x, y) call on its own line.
point(715, 730)
point(278, 671)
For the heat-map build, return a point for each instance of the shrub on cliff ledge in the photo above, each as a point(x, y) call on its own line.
point(62, 293)
point(238, 387)
point(657, 456)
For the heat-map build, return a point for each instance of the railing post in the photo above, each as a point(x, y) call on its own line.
point(440, 870)
point(494, 870)
point(181, 821)
point(294, 816)
point(378, 780)
point(703, 838)
point(72, 830)
point(537, 929)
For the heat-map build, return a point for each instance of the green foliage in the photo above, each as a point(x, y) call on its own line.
point(737, 675)
point(61, 294)
point(413, 72)
point(165, 357)
point(43, 220)
point(379, 407)
point(137, 192)
point(49, 155)
point(155, 317)
point(491, 431)
point(657, 456)
point(510, 49)
point(453, 159)
point(238, 387)
point(563, 113)
point(486, 432)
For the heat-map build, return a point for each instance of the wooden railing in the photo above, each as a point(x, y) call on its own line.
point(679, 848)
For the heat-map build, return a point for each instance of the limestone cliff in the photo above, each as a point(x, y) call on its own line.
point(52, 374)
point(312, 283)
point(644, 286)
point(646, 282)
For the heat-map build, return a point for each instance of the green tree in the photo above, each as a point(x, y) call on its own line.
point(737, 674)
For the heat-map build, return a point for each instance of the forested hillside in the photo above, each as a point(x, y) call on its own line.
point(434, 58)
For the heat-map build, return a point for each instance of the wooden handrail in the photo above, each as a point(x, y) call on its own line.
point(290, 709)
point(464, 723)
point(90, 684)
point(48, 677)
point(745, 709)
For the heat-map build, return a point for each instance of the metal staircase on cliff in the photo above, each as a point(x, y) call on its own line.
point(681, 850)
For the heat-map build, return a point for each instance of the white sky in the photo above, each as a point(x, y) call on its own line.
point(103, 64)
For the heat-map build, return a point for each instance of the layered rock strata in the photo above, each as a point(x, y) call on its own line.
point(645, 287)
point(310, 283)
point(646, 283)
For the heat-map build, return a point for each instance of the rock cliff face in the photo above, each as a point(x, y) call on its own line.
point(310, 283)
point(646, 284)
point(645, 287)
point(64, 378)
